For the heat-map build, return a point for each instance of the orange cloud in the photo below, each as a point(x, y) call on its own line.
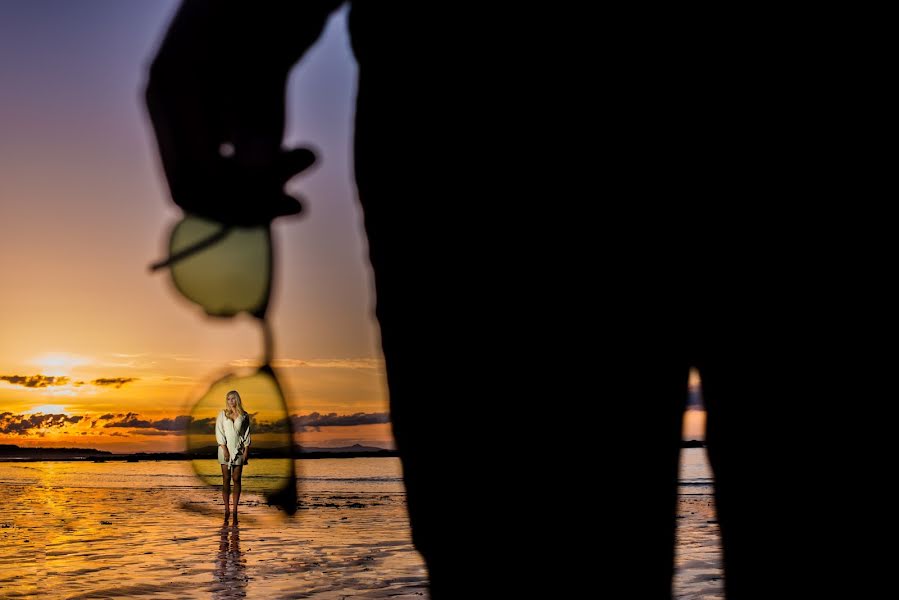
point(11, 424)
point(34, 381)
point(116, 382)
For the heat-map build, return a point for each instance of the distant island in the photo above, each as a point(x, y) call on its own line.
point(11, 452)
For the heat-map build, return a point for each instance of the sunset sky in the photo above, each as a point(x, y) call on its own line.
point(98, 352)
point(694, 417)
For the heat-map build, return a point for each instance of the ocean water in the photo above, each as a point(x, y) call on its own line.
point(152, 529)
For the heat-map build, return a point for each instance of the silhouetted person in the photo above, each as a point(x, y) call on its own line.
point(431, 185)
point(563, 215)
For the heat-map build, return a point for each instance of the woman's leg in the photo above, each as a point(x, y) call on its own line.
point(226, 487)
point(235, 475)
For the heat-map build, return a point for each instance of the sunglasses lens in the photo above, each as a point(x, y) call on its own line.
point(270, 466)
point(229, 276)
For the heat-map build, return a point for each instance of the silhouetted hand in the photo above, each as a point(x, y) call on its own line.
point(216, 98)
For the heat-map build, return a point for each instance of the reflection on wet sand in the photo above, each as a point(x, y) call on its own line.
point(98, 530)
point(229, 578)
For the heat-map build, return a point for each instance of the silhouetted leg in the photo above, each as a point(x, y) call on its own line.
point(431, 350)
point(739, 411)
point(459, 288)
point(647, 393)
point(765, 385)
point(663, 392)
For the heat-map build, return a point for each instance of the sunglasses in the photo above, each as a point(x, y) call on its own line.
point(227, 270)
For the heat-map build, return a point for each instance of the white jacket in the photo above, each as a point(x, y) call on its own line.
point(235, 434)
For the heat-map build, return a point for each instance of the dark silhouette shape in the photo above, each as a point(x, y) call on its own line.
point(467, 123)
point(216, 99)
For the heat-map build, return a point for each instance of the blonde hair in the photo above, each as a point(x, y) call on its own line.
point(238, 405)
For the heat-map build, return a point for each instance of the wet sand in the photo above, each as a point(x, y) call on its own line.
point(65, 534)
point(699, 574)
point(152, 530)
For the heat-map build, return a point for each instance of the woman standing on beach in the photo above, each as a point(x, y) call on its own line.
point(232, 433)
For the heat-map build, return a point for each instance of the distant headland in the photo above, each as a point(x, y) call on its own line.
point(12, 452)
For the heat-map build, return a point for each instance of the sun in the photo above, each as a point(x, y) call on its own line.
point(59, 363)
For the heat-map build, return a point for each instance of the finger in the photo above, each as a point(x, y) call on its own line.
point(287, 205)
point(294, 161)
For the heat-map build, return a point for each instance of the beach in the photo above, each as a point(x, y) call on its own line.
point(152, 529)
point(699, 574)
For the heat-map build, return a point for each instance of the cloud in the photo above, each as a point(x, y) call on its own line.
point(116, 382)
point(180, 425)
point(43, 381)
point(201, 426)
point(188, 358)
point(315, 363)
point(13, 424)
point(34, 381)
point(315, 420)
point(330, 363)
point(279, 426)
point(120, 360)
point(129, 420)
point(245, 363)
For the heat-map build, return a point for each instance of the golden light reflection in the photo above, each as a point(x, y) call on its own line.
point(230, 570)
